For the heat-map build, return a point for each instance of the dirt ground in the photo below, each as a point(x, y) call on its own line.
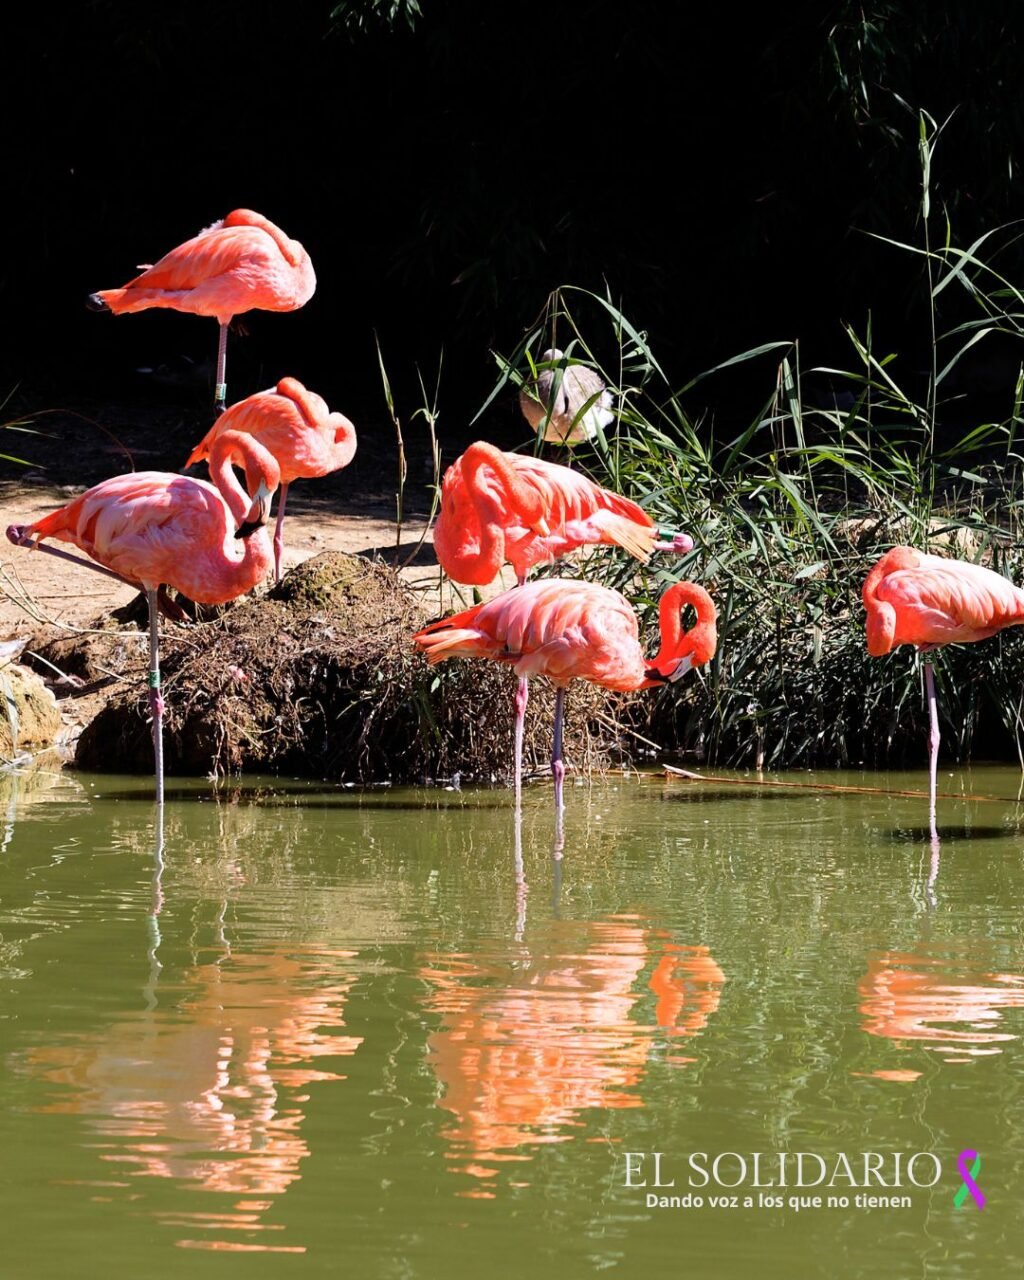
point(56, 453)
point(37, 588)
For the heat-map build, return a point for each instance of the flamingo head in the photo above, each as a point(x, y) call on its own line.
point(681, 651)
point(258, 513)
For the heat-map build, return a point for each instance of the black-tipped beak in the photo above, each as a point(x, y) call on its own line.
point(258, 515)
point(681, 668)
point(95, 303)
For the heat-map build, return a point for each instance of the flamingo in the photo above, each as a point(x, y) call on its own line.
point(566, 629)
point(154, 529)
point(924, 600)
point(236, 265)
point(565, 403)
point(299, 430)
point(498, 507)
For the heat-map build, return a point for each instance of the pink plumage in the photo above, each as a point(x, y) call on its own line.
point(295, 425)
point(566, 629)
point(506, 507)
point(155, 528)
point(299, 430)
point(913, 598)
point(233, 266)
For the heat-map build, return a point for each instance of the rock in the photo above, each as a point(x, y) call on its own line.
point(30, 719)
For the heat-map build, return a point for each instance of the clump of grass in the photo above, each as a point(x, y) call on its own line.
point(789, 511)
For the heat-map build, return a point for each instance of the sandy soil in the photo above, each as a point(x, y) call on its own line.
point(37, 588)
point(65, 450)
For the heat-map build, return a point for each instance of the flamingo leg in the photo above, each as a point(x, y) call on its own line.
point(156, 702)
point(933, 745)
point(522, 695)
point(220, 393)
point(557, 767)
point(279, 533)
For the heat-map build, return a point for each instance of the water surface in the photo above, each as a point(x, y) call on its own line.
point(386, 1033)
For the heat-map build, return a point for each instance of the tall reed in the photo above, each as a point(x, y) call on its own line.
point(789, 509)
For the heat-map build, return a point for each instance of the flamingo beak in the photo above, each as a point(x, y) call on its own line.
point(681, 668)
point(258, 515)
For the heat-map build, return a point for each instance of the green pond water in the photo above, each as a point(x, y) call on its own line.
point(373, 1033)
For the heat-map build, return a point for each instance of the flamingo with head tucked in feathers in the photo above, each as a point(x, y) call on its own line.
point(913, 598)
point(565, 629)
point(239, 264)
point(508, 507)
point(299, 430)
point(152, 529)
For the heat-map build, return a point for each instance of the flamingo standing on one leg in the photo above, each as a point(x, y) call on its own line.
point(152, 529)
point(299, 430)
point(565, 629)
point(913, 598)
point(565, 403)
point(236, 265)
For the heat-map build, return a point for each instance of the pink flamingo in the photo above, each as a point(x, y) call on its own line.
point(299, 430)
point(566, 629)
point(498, 507)
point(913, 598)
point(236, 265)
point(152, 529)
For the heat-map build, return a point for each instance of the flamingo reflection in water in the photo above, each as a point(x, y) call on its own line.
point(214, 1095)
point(947, 1005)
point(558, 1035)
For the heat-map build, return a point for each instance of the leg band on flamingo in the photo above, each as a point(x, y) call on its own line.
point(220, 394)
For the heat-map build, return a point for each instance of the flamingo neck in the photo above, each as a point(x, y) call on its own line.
point(521, 497)
point(681, 650)
point(881, 620)
point(310, 406)
point(314, 414)
point(262, 474)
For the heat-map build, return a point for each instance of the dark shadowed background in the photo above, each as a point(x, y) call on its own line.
point(715, 169)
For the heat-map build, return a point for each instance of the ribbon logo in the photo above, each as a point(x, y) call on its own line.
point(968, 1175)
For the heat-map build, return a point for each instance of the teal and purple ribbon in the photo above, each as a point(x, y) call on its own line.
point(968, 1175)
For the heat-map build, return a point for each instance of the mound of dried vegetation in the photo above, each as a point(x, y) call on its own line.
point(319, 678)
